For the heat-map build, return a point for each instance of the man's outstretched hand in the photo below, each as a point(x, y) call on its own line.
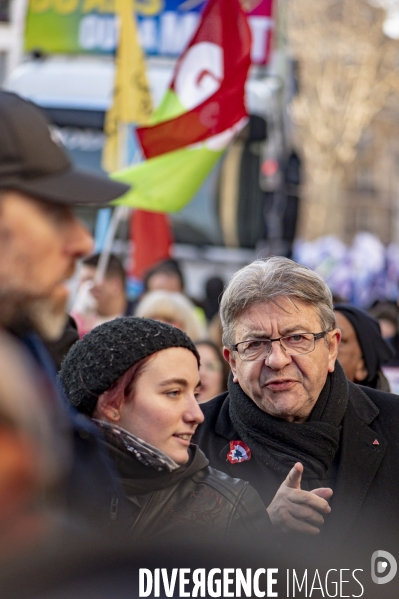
point(293, 509)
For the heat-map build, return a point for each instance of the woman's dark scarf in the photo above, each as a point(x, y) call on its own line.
point(146, 454)
point(279, 444)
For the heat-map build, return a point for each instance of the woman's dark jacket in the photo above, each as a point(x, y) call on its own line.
point(192, 501)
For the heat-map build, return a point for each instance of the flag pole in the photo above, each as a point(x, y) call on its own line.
point(131, 104)
point(120, 213)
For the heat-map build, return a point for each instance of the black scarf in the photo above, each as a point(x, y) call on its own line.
point(279, 444)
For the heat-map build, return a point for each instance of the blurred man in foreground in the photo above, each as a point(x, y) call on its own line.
point(40, 242)
point(33, 457)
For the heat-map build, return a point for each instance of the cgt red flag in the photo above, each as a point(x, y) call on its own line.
point(152, 240)
point(207, 94)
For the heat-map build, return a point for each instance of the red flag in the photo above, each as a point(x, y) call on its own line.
point(152, 240)
point(208, 88)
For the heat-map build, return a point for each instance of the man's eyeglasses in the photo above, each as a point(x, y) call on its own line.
point(293, 345)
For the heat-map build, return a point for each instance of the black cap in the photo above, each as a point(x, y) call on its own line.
point(104, 354)
point(31, 160)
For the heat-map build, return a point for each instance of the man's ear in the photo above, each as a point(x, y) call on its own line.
point(333, 338)
point(229, 357)
point(106, 410)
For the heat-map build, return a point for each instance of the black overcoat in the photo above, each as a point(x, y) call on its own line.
point(365, 504)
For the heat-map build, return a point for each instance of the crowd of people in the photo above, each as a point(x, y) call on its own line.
point(130, 435)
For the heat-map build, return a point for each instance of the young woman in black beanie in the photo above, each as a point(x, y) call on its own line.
point(138, 379)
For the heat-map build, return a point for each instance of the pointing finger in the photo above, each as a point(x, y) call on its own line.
point(293, 480)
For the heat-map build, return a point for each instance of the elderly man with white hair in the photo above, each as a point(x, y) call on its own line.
point(290, 413)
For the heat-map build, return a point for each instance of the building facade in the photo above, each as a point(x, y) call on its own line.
point(12, 22)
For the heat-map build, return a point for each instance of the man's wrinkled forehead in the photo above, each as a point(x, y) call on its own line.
point(295, 315)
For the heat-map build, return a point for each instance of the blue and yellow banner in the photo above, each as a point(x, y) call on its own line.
point(164, 26)
point(89, 26)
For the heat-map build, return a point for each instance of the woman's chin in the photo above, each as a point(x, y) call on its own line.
point(179, 454)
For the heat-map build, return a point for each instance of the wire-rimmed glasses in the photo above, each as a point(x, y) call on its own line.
point(294, 345)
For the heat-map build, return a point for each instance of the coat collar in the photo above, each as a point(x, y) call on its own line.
point(361, 453)
point(224, 427)
point(365, 409)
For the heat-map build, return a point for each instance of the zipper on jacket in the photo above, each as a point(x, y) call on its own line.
point(113, 510)
point(143, 510)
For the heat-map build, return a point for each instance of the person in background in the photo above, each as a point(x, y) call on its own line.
point(58, 348)
point(213, 293)
point(215, 331)
point(166, 276)
point(387, 314)
point(173, 308)
point(107, 298)
point(214, 370)
point(362, 350)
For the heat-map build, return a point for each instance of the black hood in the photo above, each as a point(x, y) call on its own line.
point(376, 351)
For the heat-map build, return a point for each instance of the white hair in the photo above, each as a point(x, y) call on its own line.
point(172, 307)
point(264, 281)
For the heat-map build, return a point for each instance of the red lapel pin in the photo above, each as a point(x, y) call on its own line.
point(375, 442)
point(239, 452)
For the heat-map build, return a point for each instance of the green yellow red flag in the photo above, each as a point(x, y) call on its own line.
point(201, 112)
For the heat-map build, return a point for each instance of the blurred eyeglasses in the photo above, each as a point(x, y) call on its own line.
point(293, 345)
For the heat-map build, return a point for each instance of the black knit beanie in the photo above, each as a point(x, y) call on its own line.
point(104, 354)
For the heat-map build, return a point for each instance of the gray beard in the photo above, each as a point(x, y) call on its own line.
point(47, 319)
point(19, 314)
point(13, 310)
